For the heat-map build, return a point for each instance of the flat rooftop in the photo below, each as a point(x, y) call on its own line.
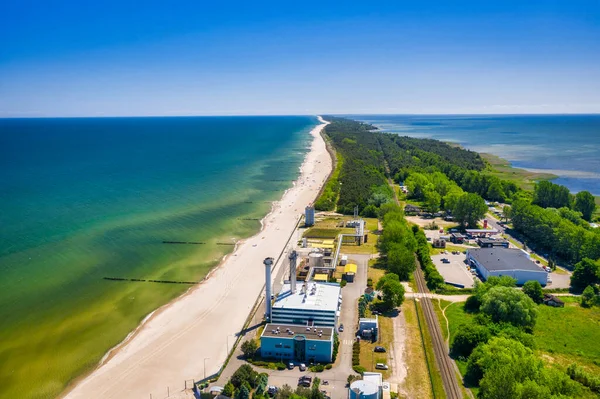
point(314, 296)
point(290, 331)
point(499, 259)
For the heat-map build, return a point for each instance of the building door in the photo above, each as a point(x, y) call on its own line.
point(299, 348)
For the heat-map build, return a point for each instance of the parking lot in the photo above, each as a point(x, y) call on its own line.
point(456, 270)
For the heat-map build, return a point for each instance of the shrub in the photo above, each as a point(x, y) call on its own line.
point(280, 366)
point(467, 338)
point(328, 367)
point(359, 369)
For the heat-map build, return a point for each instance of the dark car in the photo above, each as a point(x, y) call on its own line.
point(379, 349)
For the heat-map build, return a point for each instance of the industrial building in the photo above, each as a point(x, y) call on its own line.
point(506, 262)
point(297, 343)
point(368, 328)
point(491, 242)
point(313, 303)
point(371, 386)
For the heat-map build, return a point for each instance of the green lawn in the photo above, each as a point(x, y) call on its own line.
point(569, 334)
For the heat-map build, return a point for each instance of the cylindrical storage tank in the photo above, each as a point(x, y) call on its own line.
point(363, 390)
point(315, 259)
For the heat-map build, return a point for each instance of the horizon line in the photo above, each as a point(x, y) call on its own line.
point(313, 115)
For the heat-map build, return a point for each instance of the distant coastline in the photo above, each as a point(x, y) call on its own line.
point(562, 148)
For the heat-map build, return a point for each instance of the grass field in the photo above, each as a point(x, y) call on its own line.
point(417, 383)
point(562, 335)
point(368, 358)
point(569, 334)
point(525, 179)
point(435, 373)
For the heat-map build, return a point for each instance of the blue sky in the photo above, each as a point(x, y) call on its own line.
point(63, 58)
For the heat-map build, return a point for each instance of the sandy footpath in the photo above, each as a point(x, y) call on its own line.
point(171, 347)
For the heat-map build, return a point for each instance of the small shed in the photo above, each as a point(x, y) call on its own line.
point(368, 328)
point(350, 272)
point(552, 300)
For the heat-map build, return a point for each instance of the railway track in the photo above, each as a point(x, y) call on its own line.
point(442, 359)
point(440, 351)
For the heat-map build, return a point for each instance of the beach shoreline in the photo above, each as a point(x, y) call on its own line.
point(140, 364)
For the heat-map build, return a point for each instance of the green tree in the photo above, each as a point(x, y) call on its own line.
point(285, 392)
point(401, 261)
point(228, 389)
point(502, 351)
point(550, 195)
point(392, 289)
point(587, 272)
point(585, 203)
point(495, 191)
point(249, 348)
point(243, 393)
point(504, 304)
point(588, 297)
point(417, 184)
point(506, 213)
point(469, 209)
point(533, 289)
point(245, 373)
point(467, 338)
point(432, 201)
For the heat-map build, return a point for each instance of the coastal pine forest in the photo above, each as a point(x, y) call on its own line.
point(501, 354)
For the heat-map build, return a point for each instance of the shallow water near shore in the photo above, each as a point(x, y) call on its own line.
point(85, 199)
point(565, 145)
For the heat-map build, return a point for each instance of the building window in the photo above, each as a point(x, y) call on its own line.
point(278, 345)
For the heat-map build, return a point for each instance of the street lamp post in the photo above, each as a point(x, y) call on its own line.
point(205, 359)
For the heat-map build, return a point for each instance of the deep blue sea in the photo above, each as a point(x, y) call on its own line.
point(86, 198)
point(565, 145)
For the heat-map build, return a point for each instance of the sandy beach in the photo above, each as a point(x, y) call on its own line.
point(175, 343)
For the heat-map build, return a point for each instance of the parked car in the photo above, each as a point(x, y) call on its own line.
point(302, 367)
point(381, 366)
point(291, 365)
point(272, 390)
point(445, 260)
point(379, 349)
point(341, 329)
point(428, 238)
point(305, 381)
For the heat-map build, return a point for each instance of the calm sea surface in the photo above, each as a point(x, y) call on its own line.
point(565, 145)
point(84, 199)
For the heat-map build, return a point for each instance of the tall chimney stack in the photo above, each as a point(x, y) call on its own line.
point(293, 256)
point(268, 262)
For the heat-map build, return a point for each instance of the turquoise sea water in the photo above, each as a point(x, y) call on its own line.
point(565, 145)
point(87, 198)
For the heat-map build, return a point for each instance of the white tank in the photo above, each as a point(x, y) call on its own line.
point(362, 389)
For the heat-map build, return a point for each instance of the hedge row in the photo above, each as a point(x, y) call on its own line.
point(432, 276)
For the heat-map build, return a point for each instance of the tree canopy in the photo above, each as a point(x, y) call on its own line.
point(469, 209)
point(587, 272)
point(533, 289)
point(392, 289)
point(585, 203)
point(504, 304)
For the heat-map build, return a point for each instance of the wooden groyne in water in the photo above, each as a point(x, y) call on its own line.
point(184, 242)
point(141, 280)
